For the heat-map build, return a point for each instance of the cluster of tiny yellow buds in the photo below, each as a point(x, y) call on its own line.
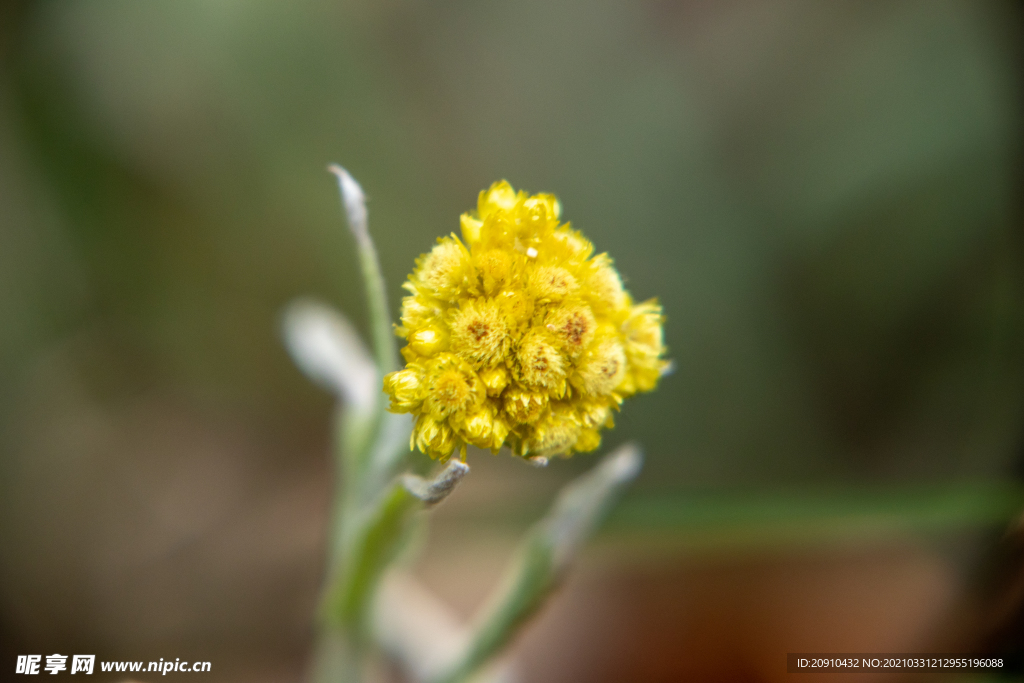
point(516, 335)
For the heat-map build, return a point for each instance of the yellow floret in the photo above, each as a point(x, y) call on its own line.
point(644, 346)
point(494, 267)
point(555, 433)
point(573, 326)
point(517, 336)
point(406, 389)
point(602, 367)
point(538, 363)
point(452, 387)
point(479, 331)
point(495, 379)
point(524, 406)
point(442, 271)
point(551, 283)
point(433, 437)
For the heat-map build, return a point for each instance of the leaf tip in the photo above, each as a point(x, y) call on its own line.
point(354, 200)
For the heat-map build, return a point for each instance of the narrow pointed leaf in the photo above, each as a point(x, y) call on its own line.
point(543, 558)
point(354, 203)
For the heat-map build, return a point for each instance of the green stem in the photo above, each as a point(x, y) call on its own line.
point(376, 537)
point(354, 202)
point(370, 517)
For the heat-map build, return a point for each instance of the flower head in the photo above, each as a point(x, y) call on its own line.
point(516, 335)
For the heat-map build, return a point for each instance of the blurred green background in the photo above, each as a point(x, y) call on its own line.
point(824, 196)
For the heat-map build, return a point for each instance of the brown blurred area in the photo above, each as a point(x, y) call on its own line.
point(824, 196)
point(672, 614)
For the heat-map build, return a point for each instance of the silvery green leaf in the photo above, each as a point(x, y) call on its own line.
point(433, 491)
point(327, 348)
point(583, 502)
point(354, 202)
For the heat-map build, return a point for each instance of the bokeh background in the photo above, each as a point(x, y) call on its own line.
point(824, 196)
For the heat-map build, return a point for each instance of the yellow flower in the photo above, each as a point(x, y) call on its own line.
point(517, 336)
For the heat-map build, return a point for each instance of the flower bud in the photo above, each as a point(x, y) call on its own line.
point(405, 387)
